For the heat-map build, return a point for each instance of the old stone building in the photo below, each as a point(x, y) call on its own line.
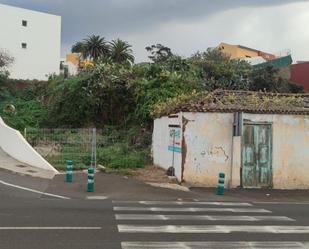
point(257, 139)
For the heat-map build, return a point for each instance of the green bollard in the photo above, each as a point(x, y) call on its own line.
point(69, 175)
point(221, 184)
point(90, 184)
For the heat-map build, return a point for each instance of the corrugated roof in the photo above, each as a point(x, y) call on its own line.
point(277, 63)
point(242, 101)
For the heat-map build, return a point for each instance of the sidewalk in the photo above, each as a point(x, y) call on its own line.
point(257, 195)
point(119, 187)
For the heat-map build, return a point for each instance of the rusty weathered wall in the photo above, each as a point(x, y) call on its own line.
point(290, 160)
point(208, 138)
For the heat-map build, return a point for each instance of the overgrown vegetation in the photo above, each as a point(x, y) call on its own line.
point(114, 94)
point(116, 149)
point(125, 148)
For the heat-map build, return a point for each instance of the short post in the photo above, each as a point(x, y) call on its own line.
point(221, 184)
point(90, 184)
point(69, 175)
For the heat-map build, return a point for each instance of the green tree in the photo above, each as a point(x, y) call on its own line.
point(157, 82)
point(218, 71)
point(268, 79)
point(159, 53)
point(79, 47)
point(100, 95)
point(5, 61)
point(121, 52)
point(94, 47)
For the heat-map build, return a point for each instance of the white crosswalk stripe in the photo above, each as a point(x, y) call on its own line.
point(212, 229)
point(170, 218)
point(200, 217)
point(209, 203)
point(193, 209)
point(215, 245)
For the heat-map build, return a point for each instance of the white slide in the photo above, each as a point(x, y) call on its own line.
point(17, 155)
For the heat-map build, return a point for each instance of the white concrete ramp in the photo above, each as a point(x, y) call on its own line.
point(17, 155)
point(11, 164)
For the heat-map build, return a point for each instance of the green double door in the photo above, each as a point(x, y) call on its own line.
point(257, 156)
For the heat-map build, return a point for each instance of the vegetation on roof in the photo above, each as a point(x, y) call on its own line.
point(225, 101)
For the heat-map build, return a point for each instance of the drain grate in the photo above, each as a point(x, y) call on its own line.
point(32, 171)
point(21, 166)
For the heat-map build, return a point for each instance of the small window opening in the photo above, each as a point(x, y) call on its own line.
point(24, 45)
point(24, 23)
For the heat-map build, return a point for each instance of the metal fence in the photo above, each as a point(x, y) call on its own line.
point(59, 145)
point(111, 147)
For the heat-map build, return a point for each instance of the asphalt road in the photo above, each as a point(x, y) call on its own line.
point(35, 220)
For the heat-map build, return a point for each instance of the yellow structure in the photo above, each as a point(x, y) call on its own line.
point(74, 58)
point(77, 60)
point(237, 51)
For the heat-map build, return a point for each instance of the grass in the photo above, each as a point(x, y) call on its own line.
point(122, 155)
point(125, 172)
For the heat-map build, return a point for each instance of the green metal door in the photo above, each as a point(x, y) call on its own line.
point(257, 155)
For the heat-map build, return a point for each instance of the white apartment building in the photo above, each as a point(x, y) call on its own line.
point(33, 39)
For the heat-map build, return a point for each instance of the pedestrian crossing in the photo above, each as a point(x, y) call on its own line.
point(200, 217)
point(190, 209)
point(202, 225)
point(214, 245)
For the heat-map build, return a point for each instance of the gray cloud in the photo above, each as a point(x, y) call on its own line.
point(116, 18)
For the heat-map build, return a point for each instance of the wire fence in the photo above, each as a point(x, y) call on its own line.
point(59, 145)
point(110, 147)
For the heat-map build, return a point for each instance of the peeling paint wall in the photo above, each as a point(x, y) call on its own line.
point(235, 179)
point(160, 142)
point(208, 137)
point(290, 159)
point(162, 153)
point(208, 147)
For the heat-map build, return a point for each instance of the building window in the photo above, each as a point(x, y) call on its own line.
point(24, 45)
point(24, 23)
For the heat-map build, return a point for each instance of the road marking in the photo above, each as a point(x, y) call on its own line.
point(212, 229)
point(50, 228)
point(33, 190)
point(97, 197)
point(214, 245)
point(190, 209)
point(200, 217)
point(185, 203)
point(280, 203)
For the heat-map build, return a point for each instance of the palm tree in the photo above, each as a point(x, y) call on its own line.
point(121, 52)
point(78, 47)
point(95, 47)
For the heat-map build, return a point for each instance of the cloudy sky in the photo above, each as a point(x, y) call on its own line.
point(184, 25)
